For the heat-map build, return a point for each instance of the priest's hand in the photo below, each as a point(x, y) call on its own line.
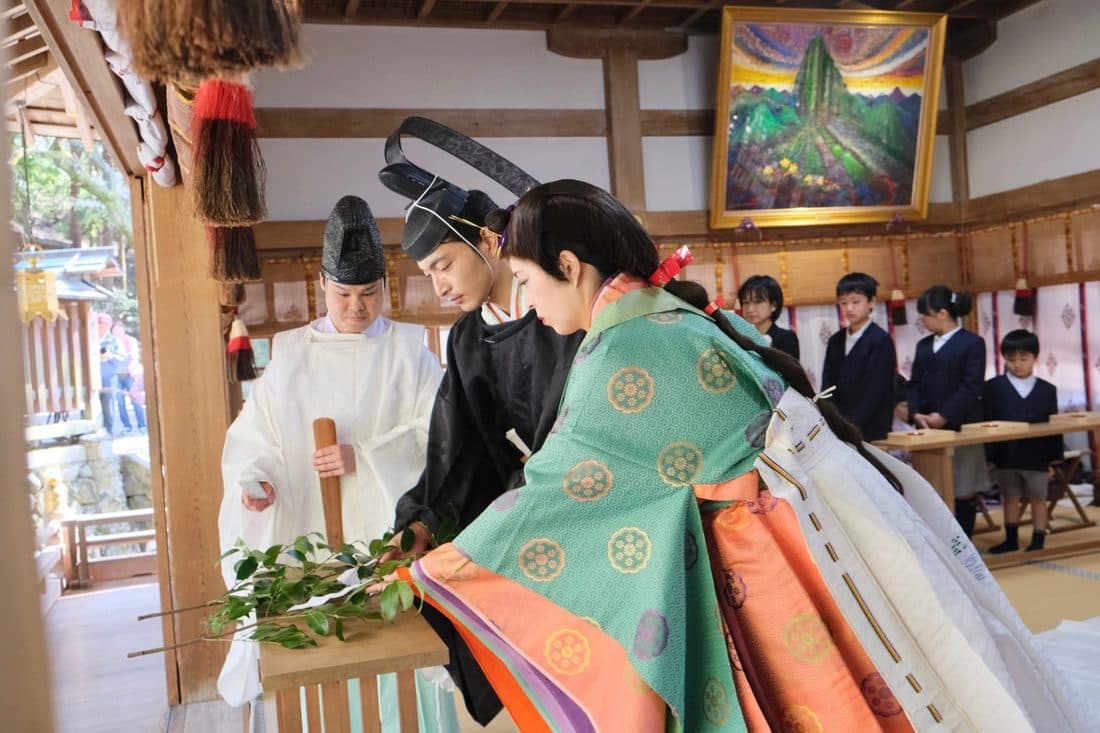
point(334, 460)
point(253, 504)
point(422, 542)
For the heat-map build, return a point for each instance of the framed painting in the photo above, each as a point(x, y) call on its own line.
point(825, 116)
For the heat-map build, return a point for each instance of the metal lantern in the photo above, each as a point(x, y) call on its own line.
point(36, 291)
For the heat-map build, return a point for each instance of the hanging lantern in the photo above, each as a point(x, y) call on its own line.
point(36, 291)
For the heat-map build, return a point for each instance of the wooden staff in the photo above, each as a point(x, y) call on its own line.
point(324, 435)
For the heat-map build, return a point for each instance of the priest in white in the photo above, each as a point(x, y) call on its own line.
point(373, 377)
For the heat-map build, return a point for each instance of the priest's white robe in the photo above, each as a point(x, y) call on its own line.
point(378, 387)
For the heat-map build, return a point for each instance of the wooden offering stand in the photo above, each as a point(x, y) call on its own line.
point(370, 649)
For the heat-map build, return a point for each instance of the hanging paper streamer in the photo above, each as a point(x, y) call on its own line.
point(195, 40)
point(227, 176)
point(1024, 303)
point(242, 366)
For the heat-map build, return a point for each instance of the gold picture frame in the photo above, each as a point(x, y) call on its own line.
point(805, 129)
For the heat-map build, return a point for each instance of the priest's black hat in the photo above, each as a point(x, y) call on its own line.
point(352, 252)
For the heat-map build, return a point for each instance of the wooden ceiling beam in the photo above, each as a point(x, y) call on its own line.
point(23, 50)
point(634, 12)
point(497, 10)
point(12, 9)
point(1048, 90)
point(696, 15)
point(351, 9)
point(425, 9)
point(520, 16)
point(20, 71)
point(79, 54)
point(19, 28)
point(565, 12)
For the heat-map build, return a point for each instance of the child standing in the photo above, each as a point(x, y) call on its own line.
point(1022, 468)
point(761, 303)
point(860, 360)
point(945, 390)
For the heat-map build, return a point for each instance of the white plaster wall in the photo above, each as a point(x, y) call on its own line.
point(1046, 38)
point(1050, 142)
point(374, 66)
point(939, 191)
point(677, 173)
point(306, 177)
point(686, 81)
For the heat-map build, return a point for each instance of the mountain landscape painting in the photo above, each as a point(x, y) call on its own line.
point(826, 116)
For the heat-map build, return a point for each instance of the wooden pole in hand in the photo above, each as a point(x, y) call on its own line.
point(324, 435)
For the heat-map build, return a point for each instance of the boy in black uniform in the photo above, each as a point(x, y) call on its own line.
point(860, 360)
point(1022, 468)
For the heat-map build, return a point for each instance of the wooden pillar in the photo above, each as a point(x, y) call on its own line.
point(24, 680)
point(188, 413)
point(956, 113)
point(620, 52)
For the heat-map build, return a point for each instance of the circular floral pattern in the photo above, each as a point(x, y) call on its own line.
point(757, 430)
point(588, 481)
point(587, 348)
point(680, 463)
point(651, 636)
point(763, 503)
point(735, 517)
point(713, 373)
point(773, 389)
point(629, 550)
point(691, 550)
point(735, 588)
point(716, 702)
point(879, 696)
point(542, 559)
point(666, 317)
point(807, 638)
point(568, 652)
point(800, 719)
point(630, 390)
point(506, 501)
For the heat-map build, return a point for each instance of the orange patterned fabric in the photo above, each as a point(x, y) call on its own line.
point(588, 664)
point(804, 667)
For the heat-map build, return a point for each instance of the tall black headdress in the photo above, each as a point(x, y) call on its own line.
point(352, 253)
point(435, 201)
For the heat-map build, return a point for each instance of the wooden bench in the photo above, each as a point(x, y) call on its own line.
point(79, 568)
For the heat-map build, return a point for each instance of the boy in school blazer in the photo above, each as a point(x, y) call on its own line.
point(860, 360)
point(1022, 468)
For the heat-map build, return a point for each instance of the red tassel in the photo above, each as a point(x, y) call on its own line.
point(896, 307)
point(671, 267)
point(1024, 303)
point(714, 305)
point(79, 13)
point(233, 257)
point(227, 170)
point(242, 366)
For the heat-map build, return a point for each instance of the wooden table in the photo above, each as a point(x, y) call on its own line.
point(932, 458)
point(372, 648)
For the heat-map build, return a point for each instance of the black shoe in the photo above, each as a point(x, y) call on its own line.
point(1004, 547)
point(1037, 541)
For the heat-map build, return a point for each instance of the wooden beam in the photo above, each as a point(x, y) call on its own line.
point(699, 13)
point(565, 12)
point(25, 686)
point(634, 12)
point(184, 357)
point(624, 126)
point(80, 56)
point(19, 27)
point(25, 49)
point(497, 10)
point(956, 108)
point(25, 68)
point(594, 43)
point(76, 110)
point(12, 9)
point(425, 9)
point(1048, 90)
point(351, 8)
point(294, 122)
point(306, 235)
point(1081, 189)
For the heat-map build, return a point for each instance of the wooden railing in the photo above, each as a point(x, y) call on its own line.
point(82, 571)
point(58, 363)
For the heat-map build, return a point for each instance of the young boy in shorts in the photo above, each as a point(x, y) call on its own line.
point(1022, 468)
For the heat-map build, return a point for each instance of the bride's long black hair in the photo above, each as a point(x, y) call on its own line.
point(592, 224)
